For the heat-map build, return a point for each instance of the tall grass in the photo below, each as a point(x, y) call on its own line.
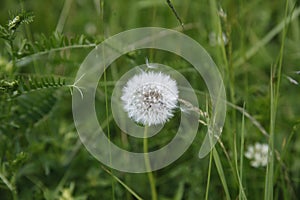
point(261, 47)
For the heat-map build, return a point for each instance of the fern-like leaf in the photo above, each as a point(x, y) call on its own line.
point(27, 100)
point(33, 83)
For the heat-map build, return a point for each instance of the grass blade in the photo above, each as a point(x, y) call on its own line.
point(221, 173)
point(123, 184)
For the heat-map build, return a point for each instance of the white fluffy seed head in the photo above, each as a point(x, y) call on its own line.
point(150, 98)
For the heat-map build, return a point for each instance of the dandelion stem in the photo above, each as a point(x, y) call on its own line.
point(148, 166)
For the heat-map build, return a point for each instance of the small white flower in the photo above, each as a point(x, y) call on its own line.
point(150, 97)
point(258, 154)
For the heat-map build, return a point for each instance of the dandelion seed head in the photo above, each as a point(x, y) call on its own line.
point(150, 98)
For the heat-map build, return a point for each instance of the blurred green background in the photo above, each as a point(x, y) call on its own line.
point(41, 155)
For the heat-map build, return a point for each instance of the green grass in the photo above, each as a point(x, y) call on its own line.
point(41, 155)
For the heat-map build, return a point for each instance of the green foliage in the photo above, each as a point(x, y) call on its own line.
point(38, 83)
point(41, 155)
point(55, 42)
point(29, 100)
point(8, 31)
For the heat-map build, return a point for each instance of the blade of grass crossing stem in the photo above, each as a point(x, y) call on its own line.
point(221, 173)
point(123, 184)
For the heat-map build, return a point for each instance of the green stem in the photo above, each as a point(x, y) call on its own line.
point(148, 166)
point(108, 132)
point(276, 72)
point(208, 176)
point(241, 190)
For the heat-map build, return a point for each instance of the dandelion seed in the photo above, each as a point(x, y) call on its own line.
point(150, 66)
point(150, 98)
point(292, 80)
point(76, 87)
point(258, 154)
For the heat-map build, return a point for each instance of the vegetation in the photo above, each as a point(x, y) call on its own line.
point(255, 45)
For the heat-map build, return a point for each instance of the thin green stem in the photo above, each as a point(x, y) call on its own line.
point(108, 127)
point(270, 167)
point(148, 166)
point(241, 190)
point(175, 13)
point(274, 90)
point(63, 16)
point(236, 167)
point(131, 191)
point(221, 172)
point(208, 176)
point(13, 57)
point(27, 59)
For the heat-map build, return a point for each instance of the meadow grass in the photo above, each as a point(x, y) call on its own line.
point(255, 45)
